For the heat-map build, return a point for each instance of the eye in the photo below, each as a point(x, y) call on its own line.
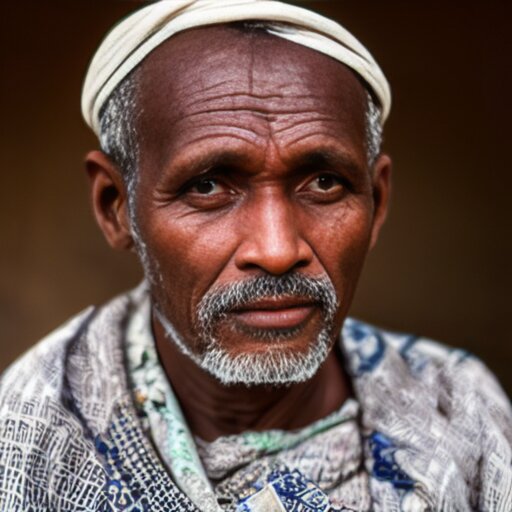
point(208, 192)
point(325, 183)
point(207, 187)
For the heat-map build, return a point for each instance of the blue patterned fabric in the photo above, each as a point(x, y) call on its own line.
point(385, 467)
point(295, 492)
point(366, 346)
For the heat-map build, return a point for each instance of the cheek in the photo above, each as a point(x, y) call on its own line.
point(189, 257)
point(341, 242)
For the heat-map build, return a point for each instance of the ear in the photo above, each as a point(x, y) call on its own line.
point(109, 200)
point(381, 194)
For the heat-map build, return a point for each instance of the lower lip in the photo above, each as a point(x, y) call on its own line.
point(275, 318)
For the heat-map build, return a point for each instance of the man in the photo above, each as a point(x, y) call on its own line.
point(241, 161)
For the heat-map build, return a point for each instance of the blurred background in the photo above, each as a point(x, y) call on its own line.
point(442, 267)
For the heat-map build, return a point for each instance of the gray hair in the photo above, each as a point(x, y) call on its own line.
point(118, 139)
point(373, 130)
point(118, 136)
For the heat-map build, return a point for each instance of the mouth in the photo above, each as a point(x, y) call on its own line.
point(276, 313)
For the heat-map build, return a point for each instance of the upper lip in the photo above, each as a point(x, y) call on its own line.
point(276, 303)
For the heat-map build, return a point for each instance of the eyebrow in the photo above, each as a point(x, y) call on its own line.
point(199, 164)
point(318, 158)
point(327, 158)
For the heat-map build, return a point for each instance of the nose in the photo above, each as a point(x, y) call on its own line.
point(272, 239)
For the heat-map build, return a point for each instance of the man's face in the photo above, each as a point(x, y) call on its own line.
point(253, 173)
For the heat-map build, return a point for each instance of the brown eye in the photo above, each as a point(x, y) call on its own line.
point(325, 183)
point(207, 187)
point(207, 193)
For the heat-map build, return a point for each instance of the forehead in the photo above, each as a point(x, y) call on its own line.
point(244, 81)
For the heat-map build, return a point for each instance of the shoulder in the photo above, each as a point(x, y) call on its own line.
point(437, 366)
point(39, 371)
point(367, 345)
point(47, 451)
point(440, 411)
point(39, 436)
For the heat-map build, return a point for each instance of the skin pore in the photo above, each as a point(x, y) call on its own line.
point(252, 162)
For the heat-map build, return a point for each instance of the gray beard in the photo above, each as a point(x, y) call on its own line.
point(274, 366)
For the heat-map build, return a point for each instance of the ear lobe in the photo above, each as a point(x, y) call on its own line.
point(109, 200)
point(381, 195)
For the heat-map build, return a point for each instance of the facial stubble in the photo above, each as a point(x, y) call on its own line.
point(277, 364)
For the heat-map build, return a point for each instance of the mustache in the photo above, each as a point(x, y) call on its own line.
point(220, 301)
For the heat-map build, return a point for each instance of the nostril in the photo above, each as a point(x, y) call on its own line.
point(302, 263)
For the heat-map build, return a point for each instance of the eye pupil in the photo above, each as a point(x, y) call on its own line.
point(325, 182)
point(205, 187)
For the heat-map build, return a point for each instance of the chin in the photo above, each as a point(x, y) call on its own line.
point(271, 361)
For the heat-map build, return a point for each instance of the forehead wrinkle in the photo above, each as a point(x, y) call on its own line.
point(188, 92)
point(315, 133)
point(301, 138)
point(290, 125)
point(258, 103)
point(251, 83)
point(231, 121)
point(220, 135)
point(320, 127)
point(241, 96)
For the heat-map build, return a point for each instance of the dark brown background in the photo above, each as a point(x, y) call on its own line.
point(442, 266)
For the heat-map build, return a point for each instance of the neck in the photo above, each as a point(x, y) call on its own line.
point(213, 409)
